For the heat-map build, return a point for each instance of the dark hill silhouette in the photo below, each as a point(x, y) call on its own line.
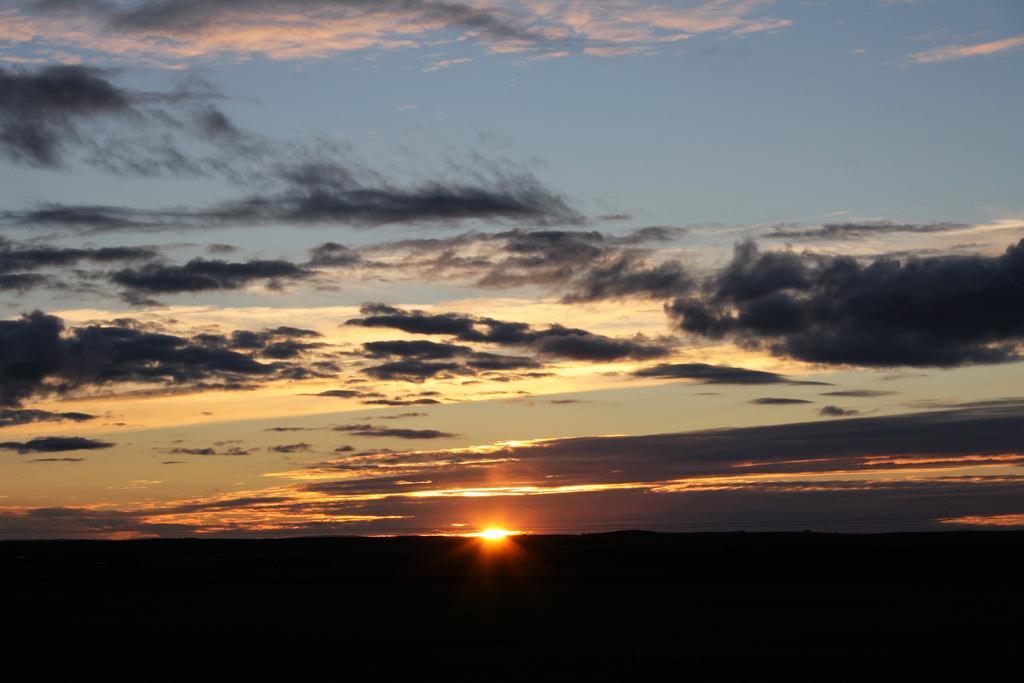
point(605, 600)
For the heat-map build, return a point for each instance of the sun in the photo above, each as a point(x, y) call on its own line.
point(495, 534)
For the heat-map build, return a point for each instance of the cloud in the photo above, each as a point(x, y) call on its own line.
point(292, 448)
point(397, 401)
point(412, 370)
point(281, 343)
point(48, 113)
point(210, 450)
point(39, 356)
point(392, 432)
point(627, 276)
point(18, 257)
point(40, 112)
point(422, 349)
point(731, 458)
point(446, 63)
point(55, 444)
point(326, 193)
point(836, 411)
point(55, 114)
point(151, 278)
point(334, 255)
point(715, 374)
point(340, 393)
point(11, 418)
point(21, 282)
point(400, 416)
point(555, 341)
point(947, 53)
point(205, 275)
point(840, 231)
point(774, 401)
point(587, 264)
point(920, 311)
point(305, 29)
point(418, 360)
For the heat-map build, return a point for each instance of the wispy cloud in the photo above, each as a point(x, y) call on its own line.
point(446, 63)
point(304, 29)
point(946, 53)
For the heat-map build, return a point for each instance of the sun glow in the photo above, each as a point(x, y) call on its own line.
point(494, 534)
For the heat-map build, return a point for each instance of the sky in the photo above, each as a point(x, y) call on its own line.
point(297, 267)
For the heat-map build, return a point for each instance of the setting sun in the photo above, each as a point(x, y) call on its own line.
point(495, 534)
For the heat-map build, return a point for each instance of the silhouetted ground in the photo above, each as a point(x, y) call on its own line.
point(844, 602)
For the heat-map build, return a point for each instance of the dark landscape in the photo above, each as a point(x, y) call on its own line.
point(602, 599)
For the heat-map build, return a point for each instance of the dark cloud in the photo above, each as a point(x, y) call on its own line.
point(412, 370)
point(49, 112)
point(55, 444)
point(400, 416)
point(204, 275)
point(331, 254)
point(31, 350)
point(86, 219)
point(836, 411)
point(627, 275)
point(291, 348)
point(39, 356)
point(292, 448)
point(555, 341)
point(281, 343)
point(20, 282)
point(210, 450)
point(16, 257)
point(576, 344)
point(969, 436)
point(426, 350)
point(839, 231)
point(420, 360)
point(396, 433)
point(339, 393)
point(10, 417)
point(860, 393)
point(327, 194)
point(248, 339)
point(415, 322)
point(543, 256)
point(402, 402)
point(716, 374)
point(18, 260)
point(590, 265)
point(930, 311)
point(41, 111)
point(777, 401)
point(494, 362)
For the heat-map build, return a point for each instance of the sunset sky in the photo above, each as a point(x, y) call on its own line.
point(287, 267)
